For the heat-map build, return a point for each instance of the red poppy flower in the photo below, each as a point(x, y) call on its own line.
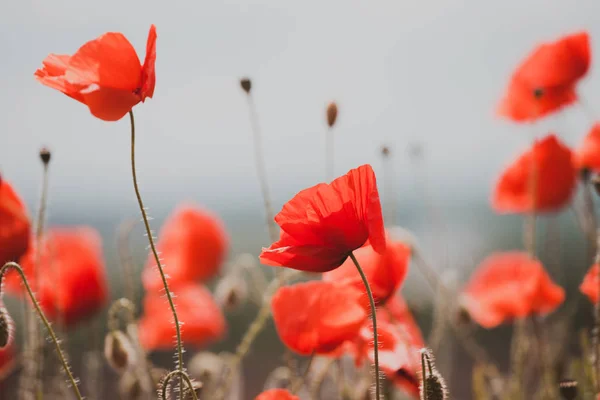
point(385, 272)
point(192, 243)
point(317, 316)
point(590, 284)
point(14, 225)
point(105, 74)
point(73, 284)
point(397, 313)
point(322, 225)
point(201, 318)
point(276, 394)
point(507, 286)
point(588, 155)
point(548, 168)
point(545, 82)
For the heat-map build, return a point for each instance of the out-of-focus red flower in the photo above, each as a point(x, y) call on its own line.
point(588, 155)
point(385, 272)
point(8, 360)
point(397, 313)
point(590, 284)
point(276, 394)
point(317, 317)
point(72, 278)
point(14, 224)
point(105, 74)
point(193, 244)
point(507, 286)
point(201, 319)
point(322, 225)
point(542, 179)
point(546, 81)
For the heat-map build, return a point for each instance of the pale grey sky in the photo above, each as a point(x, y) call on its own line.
point(401, 71)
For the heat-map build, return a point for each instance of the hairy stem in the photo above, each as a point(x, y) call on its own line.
point(38, 309)
point(374, 319)
point(156, 256)
point(182, 375)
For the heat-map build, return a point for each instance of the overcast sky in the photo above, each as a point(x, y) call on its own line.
point(401, 70)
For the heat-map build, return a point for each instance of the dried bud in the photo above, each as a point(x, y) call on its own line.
point(332, 112)
point(568, 389)
point(45, 155)
point(385, 151)
point(231, 292)
point(119, 351)
point(246, 84)
point(5, 327)
point(433, 385)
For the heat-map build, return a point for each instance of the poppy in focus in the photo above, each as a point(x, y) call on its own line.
point(193, 244)
point(105, 74)
point(276, 394)
point(201, 318)
point(317, 317)
point(507, 286)
point(546, 81)
point(590, 284)
point(322, 225)
point(14, 225)
point(588, 155)
point(385, 272)
point(542, 179)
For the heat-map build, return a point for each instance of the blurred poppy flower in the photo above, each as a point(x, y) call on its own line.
point(201, 319)
point(73, 283)
point(546, 81)
point(105, 74)
point(14, 225)
point(507, 286)
point(548, 168)
point(590, 284)
point(193, 244)
point(588, 155)
point(276, 394)
point(397, 313)
point(317, 316)
point(385, 272)
point(322, 225)
point(8, 360)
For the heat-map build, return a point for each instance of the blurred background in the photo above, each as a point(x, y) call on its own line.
point(421, 77)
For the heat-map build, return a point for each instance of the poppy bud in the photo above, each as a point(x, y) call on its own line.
point(5, 327)
point(246, 84)
point(119, 351)
point(433, 385)
point(568, 389)
point(231, 292)
point(385, 151)
point(332, 112)
point(45, 155)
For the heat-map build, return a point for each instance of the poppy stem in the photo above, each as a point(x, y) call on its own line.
point(125, 260)
point(329, 153)
point(167, 380)
point(374, 319)
point(297, 385)
point(61, 355)
point(157, 258)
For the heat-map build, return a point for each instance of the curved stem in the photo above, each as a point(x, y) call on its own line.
point(374, 319)
point(182, 375)
point(39, 311)
point(155, 252)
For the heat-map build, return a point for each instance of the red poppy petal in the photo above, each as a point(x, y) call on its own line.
point(276, 394)
point(148, 70)
point(109, 104)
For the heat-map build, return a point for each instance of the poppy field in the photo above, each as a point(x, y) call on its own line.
point(330, 280)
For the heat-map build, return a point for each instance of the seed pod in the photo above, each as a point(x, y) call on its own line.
point(385, 151)
point(45, 155)
point(433, 385)
point(231, 292)
point(568, 389)
point(246, 85)
point(119, 351)
point(5, 327)
point(332, 112)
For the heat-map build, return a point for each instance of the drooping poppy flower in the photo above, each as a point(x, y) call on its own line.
point(201, 319)
point(317, 317)
point(507, 286)
point(14, 225)
point(590, 284)
point(105, 74)
point(322, 225)
point(385, 272)
point(546, 81)
point(542, 179)
point(276, 394)
point(72, 278)
point(588, 155)
point(193, 244)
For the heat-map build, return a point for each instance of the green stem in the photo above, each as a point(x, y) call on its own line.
point(156, 257)
point(39, 311)
point(374, 319)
